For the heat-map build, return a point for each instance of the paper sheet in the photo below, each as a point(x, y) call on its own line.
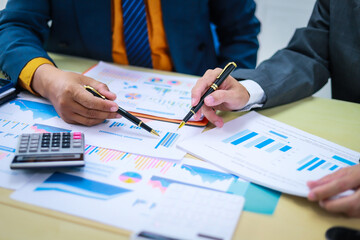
point(154, 94)
point(39, 116)
point(127, 187)
point(9, 178)
point(270, 153)
point(199, 214)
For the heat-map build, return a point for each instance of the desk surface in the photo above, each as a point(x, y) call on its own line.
point(294, 218)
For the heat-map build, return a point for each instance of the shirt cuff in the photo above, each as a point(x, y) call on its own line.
point(257, 95)
point(28, 71)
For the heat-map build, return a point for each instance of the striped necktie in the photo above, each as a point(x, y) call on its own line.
point(136, 33)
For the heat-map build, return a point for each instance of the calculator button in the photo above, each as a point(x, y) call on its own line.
point(76, 137)
point(77, 133)
point(66, 134)
point(23, 145)
point(66, 145)
point(56, 137)
point(77, 145)
point(55, 145)
point(35, 136)
point(45, 145)
point(55, 149)
point(44, 149)
point(66, 140)
point(56, 134)
point(33, 150)
point(22, 150)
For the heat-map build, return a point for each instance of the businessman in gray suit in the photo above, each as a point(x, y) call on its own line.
point(329, 47)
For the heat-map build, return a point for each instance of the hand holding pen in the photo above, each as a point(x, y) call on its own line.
point(124, 113)
point(229, 95)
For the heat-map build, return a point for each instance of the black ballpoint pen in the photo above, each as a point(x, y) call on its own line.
point(123, 112)
point(218, 81)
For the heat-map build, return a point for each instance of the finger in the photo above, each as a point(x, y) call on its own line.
point(198, 115)
point(328, 178)
point(349, 205)
point(219, 98)
point(78, 119)
point(352, 172)
point(332, 188)
point(104, 90)
point(203, 84)
point(87, 100)
point(210, 114)
point(92, 113)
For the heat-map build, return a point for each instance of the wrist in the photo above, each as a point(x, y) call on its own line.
point(42, 79)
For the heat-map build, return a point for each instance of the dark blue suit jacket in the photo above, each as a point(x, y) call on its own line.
point(83, 28)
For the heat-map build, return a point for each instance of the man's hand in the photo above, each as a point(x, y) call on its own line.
point(72, 102)
point(331, 185)
point(231, 95)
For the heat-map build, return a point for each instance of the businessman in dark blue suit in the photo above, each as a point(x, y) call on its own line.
point(179, 37)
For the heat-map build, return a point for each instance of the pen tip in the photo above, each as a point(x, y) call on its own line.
point(181, 125)
point(155, 133)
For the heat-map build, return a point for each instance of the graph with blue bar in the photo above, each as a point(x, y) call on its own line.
point(311, 163)
point(268, 142)
point(71, 184)
point(168, 140)
point(116, 124)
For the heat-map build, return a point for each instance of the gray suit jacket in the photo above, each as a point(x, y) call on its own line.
point(329, 47)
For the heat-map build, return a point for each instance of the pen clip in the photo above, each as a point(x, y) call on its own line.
point(94, 92)
point(227, 65)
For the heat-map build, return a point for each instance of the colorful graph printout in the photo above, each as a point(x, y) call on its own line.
point(270, 153)
point(171, 102)
point(119, 134)
point(80, 186)
point(39, 110)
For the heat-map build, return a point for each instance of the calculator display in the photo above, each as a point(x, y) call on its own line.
point(49, 157)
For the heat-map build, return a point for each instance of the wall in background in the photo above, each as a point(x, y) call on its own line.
point(2, 3)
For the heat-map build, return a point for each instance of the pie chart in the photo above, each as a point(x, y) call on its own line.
point(130, 177)
point(133, 95)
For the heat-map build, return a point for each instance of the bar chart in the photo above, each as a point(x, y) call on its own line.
point(132, 161)
point(143, 163)
point(168, 140)
point(270, 141)
point(6, 124)
point(105, 155)
point(311, 163)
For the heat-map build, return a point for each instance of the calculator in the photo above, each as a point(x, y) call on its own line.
point(47, 150)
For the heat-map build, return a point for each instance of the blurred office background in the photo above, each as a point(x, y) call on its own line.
point(279, 19)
